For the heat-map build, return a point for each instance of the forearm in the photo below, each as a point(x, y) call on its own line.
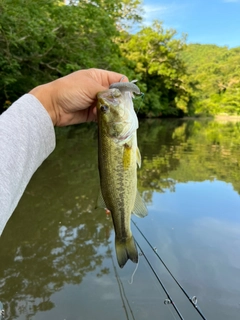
point(26, 139)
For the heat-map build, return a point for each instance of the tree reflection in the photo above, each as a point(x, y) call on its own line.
point(55, 235)
point(181, 151)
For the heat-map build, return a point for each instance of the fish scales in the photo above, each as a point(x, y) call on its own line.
point(115, 180)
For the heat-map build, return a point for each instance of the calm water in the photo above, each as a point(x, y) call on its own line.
point(57, 256)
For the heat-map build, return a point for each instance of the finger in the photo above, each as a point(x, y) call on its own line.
point(113, 77)
point(94, 111)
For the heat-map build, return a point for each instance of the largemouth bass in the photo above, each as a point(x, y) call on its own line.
point(118, 156)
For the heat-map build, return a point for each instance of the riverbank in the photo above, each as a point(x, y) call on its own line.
point(219, 118)
point(227, 118)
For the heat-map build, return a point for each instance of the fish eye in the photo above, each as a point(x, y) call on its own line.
point(104, 108)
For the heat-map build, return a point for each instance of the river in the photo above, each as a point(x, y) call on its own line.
point(57, 256)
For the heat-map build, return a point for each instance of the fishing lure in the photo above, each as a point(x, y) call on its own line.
point(127, 86)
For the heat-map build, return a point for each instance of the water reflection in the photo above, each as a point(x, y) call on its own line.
point(56, 239)
point(177, 151)
point(55, 236)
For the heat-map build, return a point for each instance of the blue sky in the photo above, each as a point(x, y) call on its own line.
point(205, 21)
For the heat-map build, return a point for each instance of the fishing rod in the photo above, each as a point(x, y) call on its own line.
point(122, 291)
point(166, 301)
point(192, 300)
point(123, 294)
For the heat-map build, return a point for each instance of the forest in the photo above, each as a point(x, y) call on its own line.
point(43, 40)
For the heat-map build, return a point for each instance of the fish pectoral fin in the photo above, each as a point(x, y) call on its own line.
point(140, 209)
point(100, 201)
point(139, 159)
point(127, 153)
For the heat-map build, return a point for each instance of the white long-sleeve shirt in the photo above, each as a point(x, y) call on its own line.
point(27, 138)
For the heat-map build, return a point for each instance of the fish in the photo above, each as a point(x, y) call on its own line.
point(118, 157)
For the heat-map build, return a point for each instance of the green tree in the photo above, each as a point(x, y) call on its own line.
point(43, 40)
point(215, 72)
point(124, 12)
point(155, 57)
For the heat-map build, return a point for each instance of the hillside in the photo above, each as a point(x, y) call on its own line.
point(214, 73)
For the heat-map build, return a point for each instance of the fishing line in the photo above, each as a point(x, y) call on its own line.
point(136, 98)
point(160, 282)
point(122, 291)
point(192, 300)
point(131, 281)
point(160, 291)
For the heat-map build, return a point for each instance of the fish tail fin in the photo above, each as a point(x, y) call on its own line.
point(126, 250)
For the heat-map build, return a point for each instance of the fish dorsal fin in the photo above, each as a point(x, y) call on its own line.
point(100, 201)
point(139, 159)
point(140, 209)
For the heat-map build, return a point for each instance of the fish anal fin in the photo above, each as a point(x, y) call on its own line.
point(100, 201)
point(140, 209)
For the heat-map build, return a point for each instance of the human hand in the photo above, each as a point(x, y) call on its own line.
point(72, 99)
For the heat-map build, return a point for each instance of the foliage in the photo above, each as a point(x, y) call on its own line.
point(43, 40)
point(155, 56)
point(215, 72)
point(120, 11)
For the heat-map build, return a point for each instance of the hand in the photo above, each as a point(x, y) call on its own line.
point(72, 99)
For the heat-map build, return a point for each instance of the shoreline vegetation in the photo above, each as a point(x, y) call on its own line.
point(44, 40)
